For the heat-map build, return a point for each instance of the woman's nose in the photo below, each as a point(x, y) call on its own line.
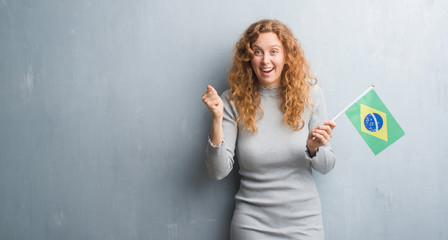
point(265, 59)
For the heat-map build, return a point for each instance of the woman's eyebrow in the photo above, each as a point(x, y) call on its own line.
point(275, 45)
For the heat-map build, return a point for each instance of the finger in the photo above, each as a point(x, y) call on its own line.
point(326, 128)
point(210, 100)
point(323, 133)
point(321, 139)
point(330, 123)
point(207, 93)
point(210, 94)
point(210, 89)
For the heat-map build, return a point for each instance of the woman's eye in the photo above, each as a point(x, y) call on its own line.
point(274, 51)
point(257, 52)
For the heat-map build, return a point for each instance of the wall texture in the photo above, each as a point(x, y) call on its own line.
point(102, 130)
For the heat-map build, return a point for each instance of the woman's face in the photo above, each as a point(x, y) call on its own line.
point(269, 59)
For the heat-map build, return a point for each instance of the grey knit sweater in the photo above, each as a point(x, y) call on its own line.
point(277, 198)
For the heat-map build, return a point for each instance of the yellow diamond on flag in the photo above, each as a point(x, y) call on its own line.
point(373, 122)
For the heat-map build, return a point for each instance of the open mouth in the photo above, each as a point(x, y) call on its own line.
point(267, 70)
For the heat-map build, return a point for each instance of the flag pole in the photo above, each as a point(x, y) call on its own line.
point(354, 101)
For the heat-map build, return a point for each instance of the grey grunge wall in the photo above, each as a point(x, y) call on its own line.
point(103, 132)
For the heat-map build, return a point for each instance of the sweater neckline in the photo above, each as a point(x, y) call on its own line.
point(274, 91)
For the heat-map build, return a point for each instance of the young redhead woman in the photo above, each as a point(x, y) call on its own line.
point(273, 118)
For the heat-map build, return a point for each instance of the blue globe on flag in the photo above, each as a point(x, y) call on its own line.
point(373, 122)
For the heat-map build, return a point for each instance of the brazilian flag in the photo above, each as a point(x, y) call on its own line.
point(374, 122)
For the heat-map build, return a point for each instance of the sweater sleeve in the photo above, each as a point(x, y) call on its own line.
point(324, 160)
point(219, 159)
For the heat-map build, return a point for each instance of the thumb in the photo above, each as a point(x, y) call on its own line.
point(330, 123)
point(211, 89)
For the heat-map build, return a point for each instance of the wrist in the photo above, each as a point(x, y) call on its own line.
point(217, 122)
point(311, 147)
point(216, 134)
point(217, 117)
point(312, 151)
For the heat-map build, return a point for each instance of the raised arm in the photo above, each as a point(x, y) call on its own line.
point(221, 145)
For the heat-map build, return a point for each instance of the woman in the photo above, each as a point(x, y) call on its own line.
point(273, 118)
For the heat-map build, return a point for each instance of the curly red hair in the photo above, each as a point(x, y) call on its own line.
point(296, 78)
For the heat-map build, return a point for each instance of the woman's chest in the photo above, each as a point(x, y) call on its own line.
point(275, 145)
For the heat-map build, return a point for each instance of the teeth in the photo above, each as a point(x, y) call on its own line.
point(267, 69)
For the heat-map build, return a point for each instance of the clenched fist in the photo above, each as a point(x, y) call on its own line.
point(213, 102)
point(320, 136)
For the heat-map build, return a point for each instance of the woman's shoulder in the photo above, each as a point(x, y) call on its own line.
point(315, 90)
point(225, 94)
point(229, 106)
point(315, 93)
